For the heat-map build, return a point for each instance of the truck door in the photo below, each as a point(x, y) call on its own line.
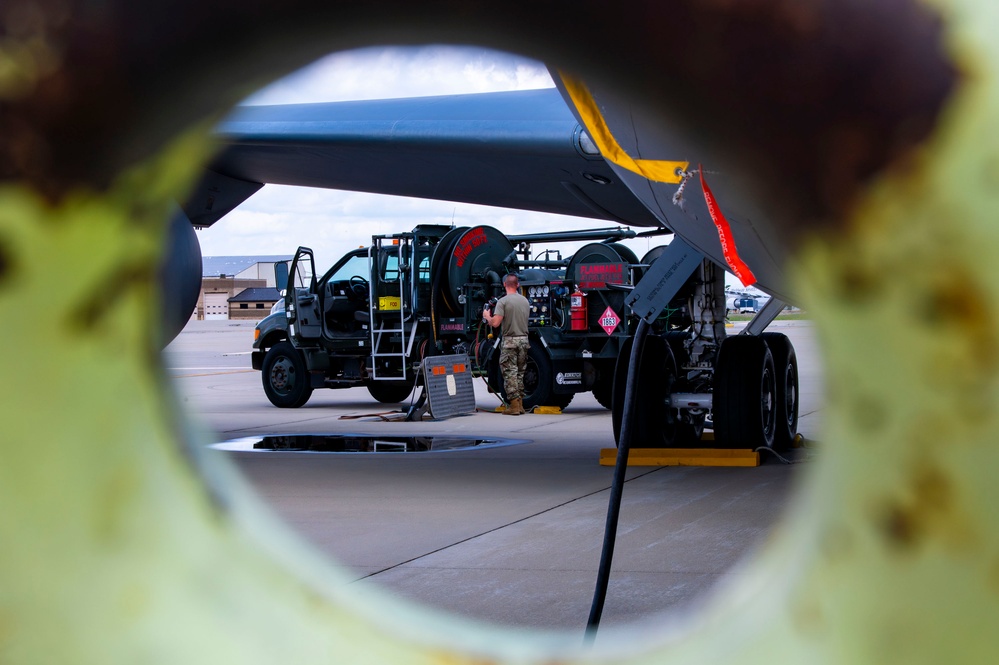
point(301, 300)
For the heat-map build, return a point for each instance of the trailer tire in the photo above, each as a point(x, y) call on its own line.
point(389, 392)
point(560, 400)
point(285, 376)
point(745, 394)
point(786, 374)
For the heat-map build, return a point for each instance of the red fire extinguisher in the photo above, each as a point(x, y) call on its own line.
point(577, 310)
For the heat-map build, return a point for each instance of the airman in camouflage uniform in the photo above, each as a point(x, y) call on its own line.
point(510, 315)
point(513, 361)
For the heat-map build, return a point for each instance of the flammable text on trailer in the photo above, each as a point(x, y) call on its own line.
point(598, 275)
point(588, 269)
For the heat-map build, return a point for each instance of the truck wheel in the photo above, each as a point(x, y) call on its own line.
point(390, 392)
point(655, 426)
point(603, 391)
point(786, 374)
point(285, 377)
point(745, 394)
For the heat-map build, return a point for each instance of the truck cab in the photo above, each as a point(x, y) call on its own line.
point(335, 306)
point(355, 325)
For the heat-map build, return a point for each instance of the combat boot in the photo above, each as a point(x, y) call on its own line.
point(516, 407)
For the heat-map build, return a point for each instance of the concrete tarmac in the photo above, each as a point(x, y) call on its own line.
point(510, 534)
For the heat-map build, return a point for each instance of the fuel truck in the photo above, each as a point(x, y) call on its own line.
point(372, 318)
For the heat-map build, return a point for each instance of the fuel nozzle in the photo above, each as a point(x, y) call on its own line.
point(491, 308)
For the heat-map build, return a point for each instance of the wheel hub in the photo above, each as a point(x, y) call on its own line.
point(282, 375)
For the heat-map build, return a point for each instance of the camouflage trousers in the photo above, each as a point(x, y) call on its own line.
point(513, 362)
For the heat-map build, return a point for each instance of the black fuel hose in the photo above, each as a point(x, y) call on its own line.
point(435, 286)
point(617, 485)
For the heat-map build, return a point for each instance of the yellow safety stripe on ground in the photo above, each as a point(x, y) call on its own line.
point(658, 170)
point(683, 457)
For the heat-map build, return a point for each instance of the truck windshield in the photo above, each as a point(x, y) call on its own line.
point(356, 266)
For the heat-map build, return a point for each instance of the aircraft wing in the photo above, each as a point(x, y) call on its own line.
point(527, 150)
point(521, 149)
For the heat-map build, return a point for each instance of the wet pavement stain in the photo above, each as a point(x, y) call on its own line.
point(360, 443)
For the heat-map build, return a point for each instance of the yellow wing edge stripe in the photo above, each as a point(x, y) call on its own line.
point(657, 170)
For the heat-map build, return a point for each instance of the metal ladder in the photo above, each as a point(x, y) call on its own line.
point(389, 323)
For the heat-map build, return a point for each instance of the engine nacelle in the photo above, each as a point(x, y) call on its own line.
point(179, 277)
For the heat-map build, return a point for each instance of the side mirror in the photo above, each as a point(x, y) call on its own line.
point(281, 275)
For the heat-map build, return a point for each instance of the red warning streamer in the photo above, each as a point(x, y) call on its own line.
point(737, 265)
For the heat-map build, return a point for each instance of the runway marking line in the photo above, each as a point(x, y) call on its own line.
point(189, 376)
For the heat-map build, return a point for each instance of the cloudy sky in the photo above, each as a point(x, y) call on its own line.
point(278, 219)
